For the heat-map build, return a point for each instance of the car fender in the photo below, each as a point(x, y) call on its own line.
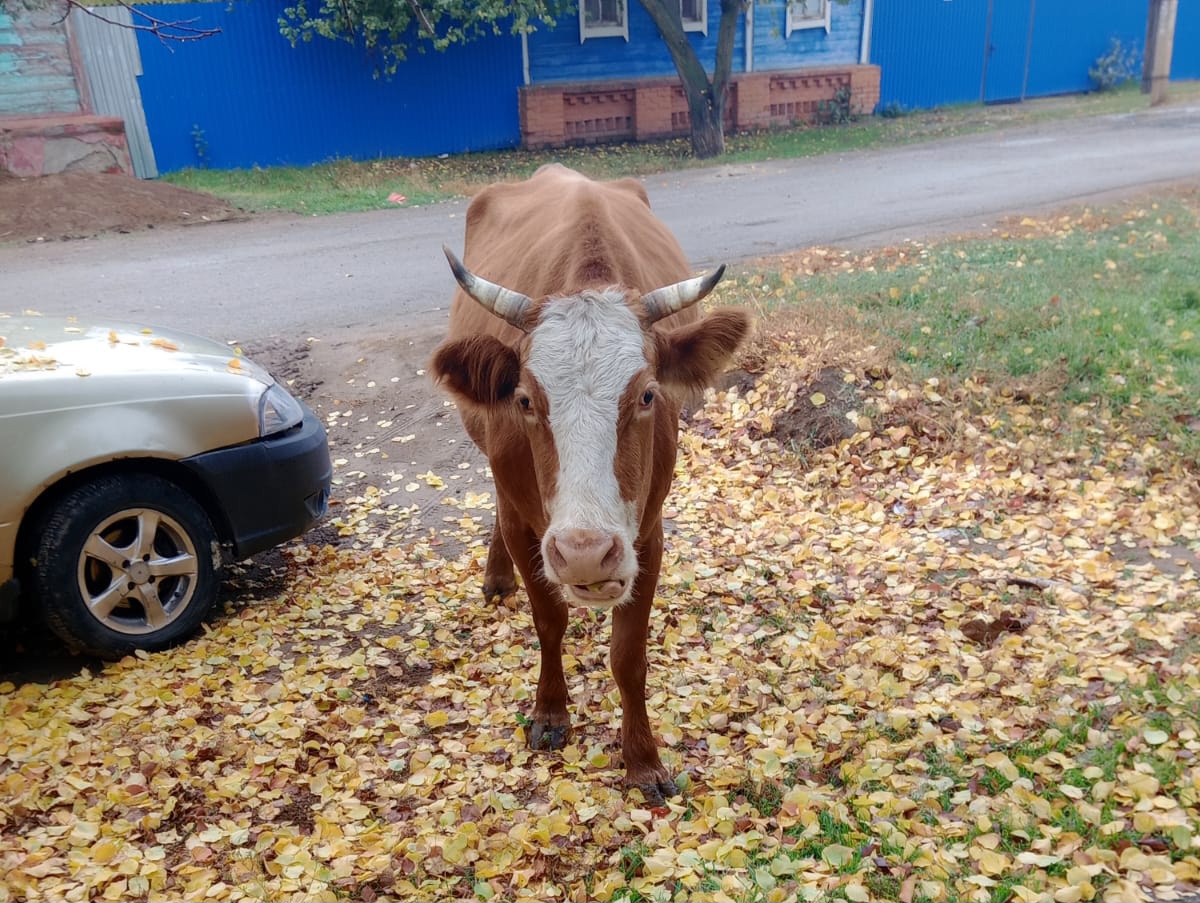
point(75, 437)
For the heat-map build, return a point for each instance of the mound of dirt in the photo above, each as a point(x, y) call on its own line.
point(817, 418)
point(82, 204)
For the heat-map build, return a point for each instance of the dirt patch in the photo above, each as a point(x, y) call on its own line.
point(81, 204)
point(395, 438)
point(817, 418)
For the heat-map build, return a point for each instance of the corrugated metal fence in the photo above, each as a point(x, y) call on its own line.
point(247, 98)
point(1185, 60)
point(936, 52)
point(112, 64)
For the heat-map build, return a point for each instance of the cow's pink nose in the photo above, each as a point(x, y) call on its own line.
point(583, 556)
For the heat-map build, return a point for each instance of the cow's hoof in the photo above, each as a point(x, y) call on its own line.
point(544, 735)
point(657, 791)
point(498, 589)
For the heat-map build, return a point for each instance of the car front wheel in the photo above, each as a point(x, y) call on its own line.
point(125, 562)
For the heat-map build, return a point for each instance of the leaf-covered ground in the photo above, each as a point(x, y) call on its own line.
point(949, 657)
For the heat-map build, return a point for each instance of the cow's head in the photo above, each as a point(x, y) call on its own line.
point(591, 384)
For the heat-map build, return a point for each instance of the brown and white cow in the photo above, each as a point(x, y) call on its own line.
point(573, 338)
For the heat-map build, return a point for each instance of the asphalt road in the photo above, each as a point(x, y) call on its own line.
point(383, 272)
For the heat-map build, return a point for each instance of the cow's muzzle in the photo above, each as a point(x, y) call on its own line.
point(590, 566)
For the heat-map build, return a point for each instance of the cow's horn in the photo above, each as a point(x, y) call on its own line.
point(671, 299)
point(501, 301)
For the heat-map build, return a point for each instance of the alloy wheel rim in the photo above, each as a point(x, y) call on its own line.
point(138, 571)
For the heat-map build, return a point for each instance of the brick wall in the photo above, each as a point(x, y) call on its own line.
point(646, 109)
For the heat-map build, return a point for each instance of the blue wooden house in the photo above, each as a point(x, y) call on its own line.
point(609, 76)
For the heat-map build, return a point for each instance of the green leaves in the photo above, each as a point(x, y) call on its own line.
point(395, 27)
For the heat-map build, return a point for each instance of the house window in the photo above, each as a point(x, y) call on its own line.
point(694, 14)
point(807, 14)
point(603, 19)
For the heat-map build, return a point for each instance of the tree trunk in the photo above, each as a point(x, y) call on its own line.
point(708, 127)
point(706, 99)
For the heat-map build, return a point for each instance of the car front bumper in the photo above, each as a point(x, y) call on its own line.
point(270, 490)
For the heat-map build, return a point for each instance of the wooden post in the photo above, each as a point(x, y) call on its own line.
point(1160, 39)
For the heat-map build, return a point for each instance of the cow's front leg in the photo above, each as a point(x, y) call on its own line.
point(550, 725)
point(639, 747)
point(498, 578)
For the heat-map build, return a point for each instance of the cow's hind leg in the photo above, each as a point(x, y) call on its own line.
point(499, 580)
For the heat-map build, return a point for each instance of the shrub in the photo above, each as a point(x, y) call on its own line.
point(1114, 67)
point(838, 110)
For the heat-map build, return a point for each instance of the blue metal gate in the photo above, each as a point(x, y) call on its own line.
point(937, 52)
point(1006, 59)
point(930, 52)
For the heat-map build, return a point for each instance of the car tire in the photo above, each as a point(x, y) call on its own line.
point(125, 562)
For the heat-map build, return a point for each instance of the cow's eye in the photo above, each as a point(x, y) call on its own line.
point(525, 403)
point(647, 398)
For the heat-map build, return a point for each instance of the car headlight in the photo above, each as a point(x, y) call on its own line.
point(278, 411)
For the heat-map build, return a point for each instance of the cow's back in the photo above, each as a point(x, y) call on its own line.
point(560, 232)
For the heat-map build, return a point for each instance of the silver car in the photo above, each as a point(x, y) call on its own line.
point(134, 464)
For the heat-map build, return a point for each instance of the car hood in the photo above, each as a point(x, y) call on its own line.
point(65, 348)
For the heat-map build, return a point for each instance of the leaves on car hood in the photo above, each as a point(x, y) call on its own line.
point(29, 342)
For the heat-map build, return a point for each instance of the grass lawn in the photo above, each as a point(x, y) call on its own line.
point(1093, 307)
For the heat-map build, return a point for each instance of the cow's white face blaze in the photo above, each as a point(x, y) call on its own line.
point(583, 353)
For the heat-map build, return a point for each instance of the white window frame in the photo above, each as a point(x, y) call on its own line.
point(798, 19)
point(701, 24)
point(620, 30)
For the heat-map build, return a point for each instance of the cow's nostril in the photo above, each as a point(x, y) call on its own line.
point(614, 555)
point(557, 561)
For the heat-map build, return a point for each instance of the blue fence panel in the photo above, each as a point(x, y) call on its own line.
point(930, 52)
point(556, 55)
point(247, 97)
point(1069, 36)
point(1007, 49)
point(808, 46)
point(1185, 53)
point(935, 52)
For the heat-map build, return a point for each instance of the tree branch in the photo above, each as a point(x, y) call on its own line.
point(422, 18)
point(179, 30)
point(730, 10)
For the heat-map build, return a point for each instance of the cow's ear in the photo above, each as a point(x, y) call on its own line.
point(479, 370)
point(691, 357)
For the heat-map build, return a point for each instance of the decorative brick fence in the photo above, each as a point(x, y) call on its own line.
point(557, 115)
